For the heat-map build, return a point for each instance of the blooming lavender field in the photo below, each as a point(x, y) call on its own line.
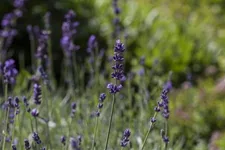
point(112, 75)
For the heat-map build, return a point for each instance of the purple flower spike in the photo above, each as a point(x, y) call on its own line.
point(27, 144)
point(92, 43)
point(118, 72)
point(63, 140)
point(125, 140)
point(36, 138)
point(102, 97)
point(68, 33)
point(10, 72)
point(37, 94)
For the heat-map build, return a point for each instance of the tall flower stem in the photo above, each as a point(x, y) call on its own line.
point(32, 47)
point(6, 119)
point(95, 130)
point(110, 122)
point(148, 132)
point(166, 132)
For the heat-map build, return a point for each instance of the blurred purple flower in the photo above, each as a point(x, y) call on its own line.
point(63, 140)
point(27, 144)
point(34, 112)
point(92, 43)
point(36, 138)
point(10, 72)
point(125, 140)
point(68, 32)
point(42, 48)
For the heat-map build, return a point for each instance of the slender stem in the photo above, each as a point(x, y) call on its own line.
point(6, 119)
point(32, 47)
point(15, 125)
point(48, 116)
point(95, 130)
point(36, 126)
point(149, 130)
point(166, 132)
point(110, 122)
point(31, 124)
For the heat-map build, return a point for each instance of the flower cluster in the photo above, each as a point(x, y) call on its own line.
point(14, 147)
point(12, 105)
point(116, 20)
point(63, 140)
point(92, 43)
point(73, 109)
point(125, 140)
point(37, 94)
point(118, 72)
point(34, 112)
point(100, 104)
point(164, 103)
point(42, 48)
point(9, 72)
point(36, 138)
point(26, 104)
point(27, 144)
point(75, 143)
point(68, 32)
point(44, 76)
point(8, 23)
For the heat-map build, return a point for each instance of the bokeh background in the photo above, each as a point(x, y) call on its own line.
point(185, 37)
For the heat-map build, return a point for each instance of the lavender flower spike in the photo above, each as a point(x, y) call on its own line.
point(68, 32)
point(125, 140)
point(36, 138)
point(37, 94)
point(27, 144)
point(92, 43)
point(118, 72)
point(9, 71)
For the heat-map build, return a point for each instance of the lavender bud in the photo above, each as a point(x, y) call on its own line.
point(63, 140)
point(153, 120)
point(34, 112)
point(100, 105)
point(125, 140)
point(36, 138)
point(9, 72)
point(102, 97)
point(27, 144)
point(14, 147)
point(37, 94)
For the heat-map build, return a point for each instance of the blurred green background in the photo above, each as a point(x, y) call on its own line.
point(183, 36)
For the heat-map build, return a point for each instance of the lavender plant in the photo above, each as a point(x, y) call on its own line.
point(118, 75)
point(163, 104)
point(100, 105)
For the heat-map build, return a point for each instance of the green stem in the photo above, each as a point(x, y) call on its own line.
point(36, 125)
point(166, 132)
point(95, 130)
point(6, 119)
point(149, 130)
point(32, 47)
point(110, 122)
